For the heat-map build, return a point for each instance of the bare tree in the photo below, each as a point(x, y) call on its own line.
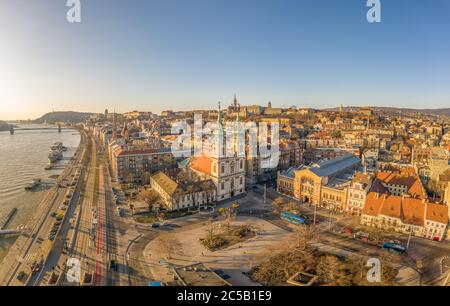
point(303, 236)
point(229, 214)
point(279, 203)
point(169, 244)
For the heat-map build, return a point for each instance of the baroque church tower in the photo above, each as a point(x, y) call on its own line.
point(228, 160)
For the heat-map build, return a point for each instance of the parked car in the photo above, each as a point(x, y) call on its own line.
point(222, 274)
point(113, 265)
point(21, 276)
point(347, 231)
point(362, 236)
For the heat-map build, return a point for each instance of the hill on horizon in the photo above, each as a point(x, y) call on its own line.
point(437, 111)
point(65, 116)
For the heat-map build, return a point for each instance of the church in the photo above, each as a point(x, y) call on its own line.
point(225, 163)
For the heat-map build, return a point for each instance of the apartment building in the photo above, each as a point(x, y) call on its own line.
point(357, 193)
point(131, 164)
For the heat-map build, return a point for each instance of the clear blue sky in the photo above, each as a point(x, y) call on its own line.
point(183, 54)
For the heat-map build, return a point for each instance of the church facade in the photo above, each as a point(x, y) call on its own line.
point(225, 163)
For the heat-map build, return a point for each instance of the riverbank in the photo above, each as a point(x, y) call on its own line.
point(23, 157)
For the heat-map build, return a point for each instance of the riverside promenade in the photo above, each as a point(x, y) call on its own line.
point(32, 246)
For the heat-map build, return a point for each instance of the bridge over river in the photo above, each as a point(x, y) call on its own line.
point(58, 128)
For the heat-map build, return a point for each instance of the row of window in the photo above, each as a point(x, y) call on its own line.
point(222, 170)
point(332, 197)
point(222, 185)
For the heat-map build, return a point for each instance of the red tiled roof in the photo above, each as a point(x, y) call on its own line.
point(392, 206)
point(437, 212)
point(373, 204)
point(409, 210)
point(413, 211)
point(202, 164)
point(412, 181)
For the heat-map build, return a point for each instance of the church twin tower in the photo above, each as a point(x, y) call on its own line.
point(227, 161)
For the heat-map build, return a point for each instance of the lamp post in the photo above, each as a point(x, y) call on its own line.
point(409, 238)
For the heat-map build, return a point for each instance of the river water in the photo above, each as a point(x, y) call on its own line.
point(23, 157)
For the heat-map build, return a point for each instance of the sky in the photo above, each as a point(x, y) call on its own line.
point(154, 55)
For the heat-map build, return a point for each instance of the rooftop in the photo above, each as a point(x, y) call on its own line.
point(409, 210)
point(201, 164)
point(166, 183)
point(335, 165)
point(199, 275)
point(408, 179)
point(290, 173)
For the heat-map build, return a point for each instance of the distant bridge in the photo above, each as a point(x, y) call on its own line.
point(40, 129)
point(12, 129)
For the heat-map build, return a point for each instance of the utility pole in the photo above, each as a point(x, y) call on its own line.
point(409, 238)
point(265, 192)
point(315, 212)
point(329, 223)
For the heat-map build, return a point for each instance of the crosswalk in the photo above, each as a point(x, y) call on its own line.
point(30, 258)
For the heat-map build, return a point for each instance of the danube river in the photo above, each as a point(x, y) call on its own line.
point(23, 157)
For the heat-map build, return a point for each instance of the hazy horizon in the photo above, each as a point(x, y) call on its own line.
point(171, 54)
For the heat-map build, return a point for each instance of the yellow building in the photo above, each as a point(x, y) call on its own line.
point(176, 196)
point(326, 182)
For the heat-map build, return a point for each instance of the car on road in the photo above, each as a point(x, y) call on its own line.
point(362, 236)
point(120, 212)
point(347, 231)
point(156, 225)
point(113, 265)
point(21, 276)
point(35, 267)
point(222, 274)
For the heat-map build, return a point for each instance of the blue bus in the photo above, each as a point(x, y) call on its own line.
point(393, 247)
point(293, 219)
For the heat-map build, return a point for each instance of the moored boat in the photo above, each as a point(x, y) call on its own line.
point(33, 184)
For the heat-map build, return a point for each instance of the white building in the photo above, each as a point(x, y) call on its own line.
point(225, 165)
point(357, 193)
